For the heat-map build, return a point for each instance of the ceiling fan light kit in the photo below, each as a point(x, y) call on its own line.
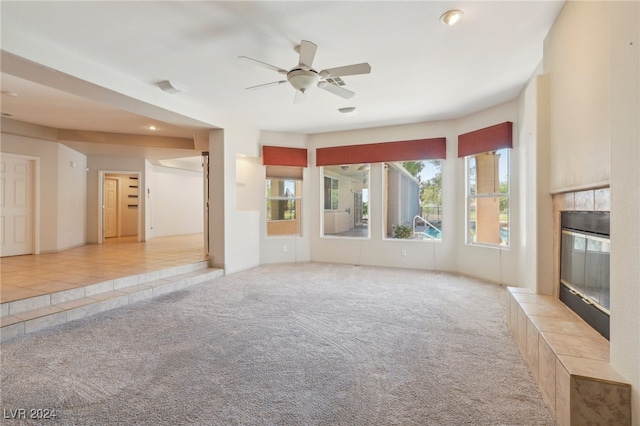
point(302, 76)
point(302, 80)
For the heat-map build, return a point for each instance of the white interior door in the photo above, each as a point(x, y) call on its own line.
point(16, 205)
point(110, 208)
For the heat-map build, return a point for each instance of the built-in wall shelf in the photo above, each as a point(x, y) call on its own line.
point(132, 192)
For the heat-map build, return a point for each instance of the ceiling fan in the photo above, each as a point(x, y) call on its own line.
point(302, 76)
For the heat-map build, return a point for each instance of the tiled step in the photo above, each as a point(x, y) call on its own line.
point(36, 313)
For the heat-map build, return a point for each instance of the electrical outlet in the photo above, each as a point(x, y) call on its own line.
point(403, 253)
point(284, 249)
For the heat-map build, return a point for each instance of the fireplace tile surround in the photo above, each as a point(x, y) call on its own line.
point(568, 359)
point(592, 200)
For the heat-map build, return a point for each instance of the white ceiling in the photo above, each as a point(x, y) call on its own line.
point(421, 69)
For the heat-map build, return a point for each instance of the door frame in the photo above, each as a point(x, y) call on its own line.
point(141, 205)
point(36, 196)
point(118, 209)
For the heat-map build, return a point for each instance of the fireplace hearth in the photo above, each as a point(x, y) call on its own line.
point(584, 266)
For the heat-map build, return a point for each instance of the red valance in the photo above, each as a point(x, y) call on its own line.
point(488, 139)
point(420, 149)
point(281, 156)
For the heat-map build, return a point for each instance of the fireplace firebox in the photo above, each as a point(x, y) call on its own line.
point(584, 266)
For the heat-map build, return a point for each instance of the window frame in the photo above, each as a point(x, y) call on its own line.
point(297, 198)
point(330, 193)
point(355, 210)
point(469, 239)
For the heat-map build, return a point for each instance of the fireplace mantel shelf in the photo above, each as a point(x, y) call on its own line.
point(568, 359)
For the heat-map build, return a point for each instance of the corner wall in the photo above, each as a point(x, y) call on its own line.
point(234, 235)
point(576, 59)
point(625, 194)
point(72, 198)
point(535, 261)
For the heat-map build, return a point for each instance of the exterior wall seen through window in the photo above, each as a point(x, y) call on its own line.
point(413, 200)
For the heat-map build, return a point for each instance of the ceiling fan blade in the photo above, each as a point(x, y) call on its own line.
point(355, 69)
point(299, 98)
point(264, 64)
point(336, 90)
point(307, 53)
point(260, 86)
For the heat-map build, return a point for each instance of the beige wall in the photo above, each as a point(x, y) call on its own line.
point(535, 213)
point(625, 194)
point(576, 59)
point(175, 199)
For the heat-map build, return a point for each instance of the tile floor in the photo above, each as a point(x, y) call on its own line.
point(27, 276)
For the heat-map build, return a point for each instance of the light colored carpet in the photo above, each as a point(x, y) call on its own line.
point(299, 344)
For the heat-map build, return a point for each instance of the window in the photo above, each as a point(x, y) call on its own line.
point(488, 198)
point(413, 200)
point(346, 199)
point(283, 206)
point(330, 193)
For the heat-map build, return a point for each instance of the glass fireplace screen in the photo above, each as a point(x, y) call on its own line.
point(584, 267)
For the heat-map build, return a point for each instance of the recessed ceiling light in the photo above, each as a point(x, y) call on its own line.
point(152, 127)
point(451, 17)
point(10, 94)
point(348, 110)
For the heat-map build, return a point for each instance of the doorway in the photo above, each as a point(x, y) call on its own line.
point(120, 212)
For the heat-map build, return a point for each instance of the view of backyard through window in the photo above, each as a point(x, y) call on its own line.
point(283, 206)
point(346, 200)
point(414, 200)
point(488, 198)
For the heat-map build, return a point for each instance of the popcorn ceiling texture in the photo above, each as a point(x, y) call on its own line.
point(295, 344)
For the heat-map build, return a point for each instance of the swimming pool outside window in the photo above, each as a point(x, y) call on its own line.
point(413, 200)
